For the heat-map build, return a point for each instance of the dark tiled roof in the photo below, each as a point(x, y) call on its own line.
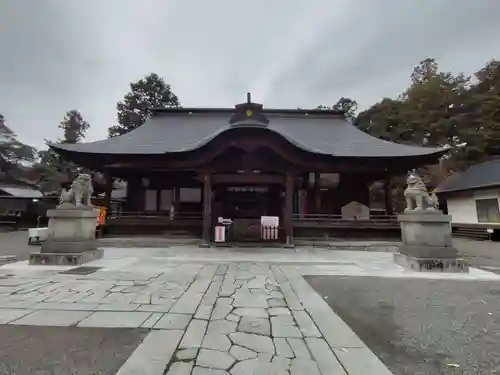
point(481, 175)
point(181, 130)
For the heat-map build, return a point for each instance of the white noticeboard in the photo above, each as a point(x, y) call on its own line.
point(269, 221)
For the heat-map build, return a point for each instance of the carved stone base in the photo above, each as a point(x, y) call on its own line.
point(65, 259)
point(449, 265)
point(425, 229)
point(423, 251)
point(54, 246)
point(427, 243)
point(71, 230)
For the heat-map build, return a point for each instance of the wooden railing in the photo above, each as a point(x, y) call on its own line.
point(375, 221)
point(145, 217)
point(336, 221)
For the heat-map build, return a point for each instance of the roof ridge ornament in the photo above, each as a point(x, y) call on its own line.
point(248, 114)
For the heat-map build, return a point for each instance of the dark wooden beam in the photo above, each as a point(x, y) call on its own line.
point(135, 194)
point(388, 196)
point(248, 178)
point(317, 197)
point(175, 200)
point(107, 192)
point(207, 208)
point(287, 215)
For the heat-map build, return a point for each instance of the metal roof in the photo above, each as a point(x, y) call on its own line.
point(181, 130)
point(482, 175)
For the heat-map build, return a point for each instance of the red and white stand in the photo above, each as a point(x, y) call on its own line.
point(220, 233)
point(269, 232)
point(269, 228)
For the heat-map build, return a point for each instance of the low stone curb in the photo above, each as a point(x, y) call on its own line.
point(4, 259)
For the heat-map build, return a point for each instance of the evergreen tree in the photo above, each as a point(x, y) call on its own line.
point(430, 112)
point(146, 94)
point(347, 105)
point(13, 153)
point(54, 170)
point(74, 127)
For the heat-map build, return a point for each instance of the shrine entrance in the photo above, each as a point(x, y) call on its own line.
point(248, 202)
point(245, 163)
point(244, 203)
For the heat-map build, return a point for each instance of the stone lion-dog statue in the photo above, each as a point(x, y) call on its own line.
point(80, 192)
point(416, 195)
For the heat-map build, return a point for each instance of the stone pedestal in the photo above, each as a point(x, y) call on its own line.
point(427, 243)
point(70, 237)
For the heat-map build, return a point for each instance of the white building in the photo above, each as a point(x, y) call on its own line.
point(472, 197)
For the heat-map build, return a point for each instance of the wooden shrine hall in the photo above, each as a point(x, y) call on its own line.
point(187, 167)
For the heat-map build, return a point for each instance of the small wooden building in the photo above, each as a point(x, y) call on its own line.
point(187, 167)
point(18, 200)
point(472, 199)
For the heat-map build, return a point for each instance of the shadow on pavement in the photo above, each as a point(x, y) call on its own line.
point(33, 350)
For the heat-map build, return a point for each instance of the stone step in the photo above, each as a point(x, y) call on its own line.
point(153, 242)
point(65, 259)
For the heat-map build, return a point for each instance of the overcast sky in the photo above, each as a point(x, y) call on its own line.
point(57, 55)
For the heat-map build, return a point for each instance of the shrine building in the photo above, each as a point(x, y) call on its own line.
point(187, 167)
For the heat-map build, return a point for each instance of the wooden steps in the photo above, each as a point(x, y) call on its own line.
point(474, 232)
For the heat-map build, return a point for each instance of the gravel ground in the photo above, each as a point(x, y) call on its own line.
point(481, 254)
point(421, 327)
point(65, 350)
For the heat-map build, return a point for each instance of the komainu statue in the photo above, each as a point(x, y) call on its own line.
point(416, 195)
point(80, 192)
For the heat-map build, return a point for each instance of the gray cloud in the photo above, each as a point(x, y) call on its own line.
point(58, 55)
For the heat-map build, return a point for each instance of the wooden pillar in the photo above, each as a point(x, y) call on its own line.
point(132, 191)
point(135, 194)
point(176, 197)
point(207, 208)
point(107, 192)
point(317, 197)
point(158, 200)
point(388, 196)
point(287, 217)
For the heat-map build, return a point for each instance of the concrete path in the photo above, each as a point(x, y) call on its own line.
point(16, 244)
point(210, 311)
point(483, 254)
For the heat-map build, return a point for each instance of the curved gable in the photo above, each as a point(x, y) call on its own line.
point(177, 131)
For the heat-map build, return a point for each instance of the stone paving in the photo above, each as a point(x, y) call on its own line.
point(236, 313)
point(236, 318)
